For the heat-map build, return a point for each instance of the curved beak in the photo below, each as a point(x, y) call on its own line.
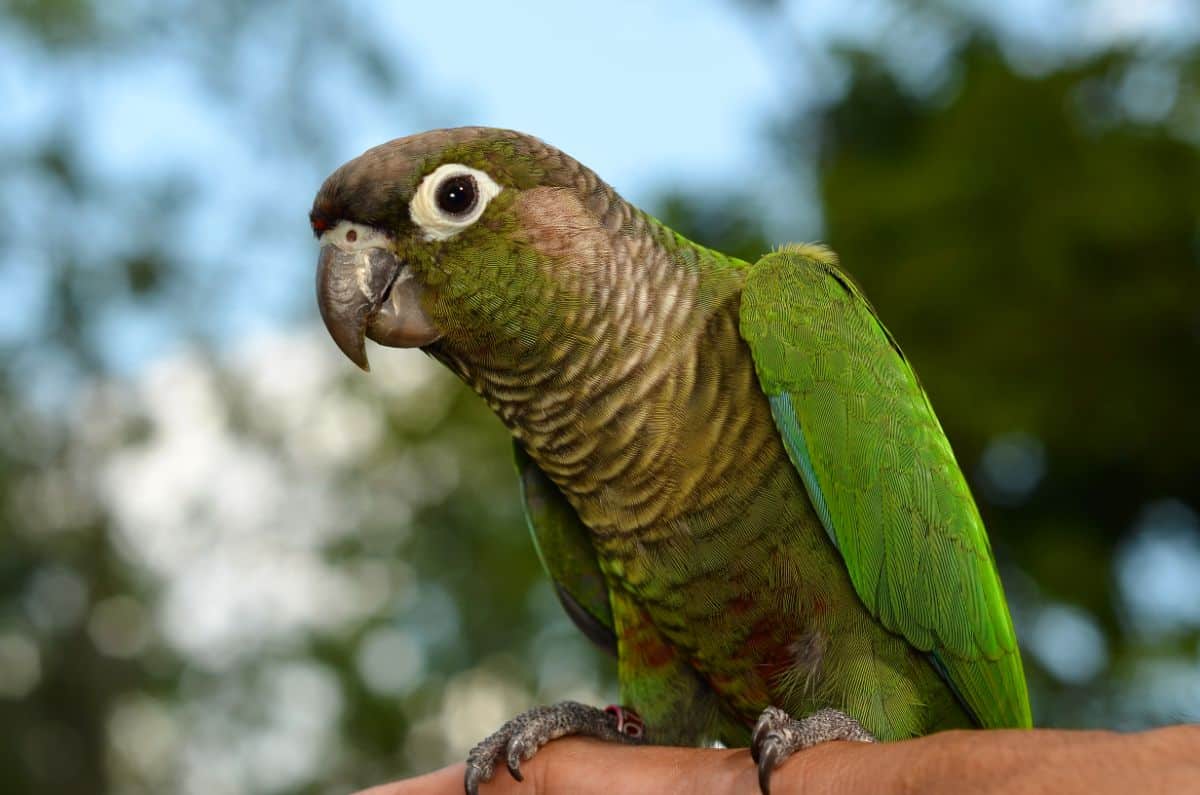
point(370, 293)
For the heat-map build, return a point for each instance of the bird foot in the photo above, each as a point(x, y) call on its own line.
point(519, 739)
point(778, 735)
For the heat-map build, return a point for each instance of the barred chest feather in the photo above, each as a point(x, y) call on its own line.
point(647, 413)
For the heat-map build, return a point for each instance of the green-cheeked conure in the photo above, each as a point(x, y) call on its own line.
point(730, 471)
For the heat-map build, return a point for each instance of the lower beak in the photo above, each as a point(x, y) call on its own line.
point(370, 293)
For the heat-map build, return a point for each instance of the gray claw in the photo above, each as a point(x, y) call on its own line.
point(767, 760)
point(473, 779)
point(481, 762)
point(778, 735)
point(520, 738)
point(514, 762)
point(760, 728)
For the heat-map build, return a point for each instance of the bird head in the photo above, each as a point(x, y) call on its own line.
point(469, 242)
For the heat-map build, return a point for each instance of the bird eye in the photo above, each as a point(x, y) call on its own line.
point(457, 195)
point(451, 198)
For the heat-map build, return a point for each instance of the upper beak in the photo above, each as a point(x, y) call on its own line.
point(369, 293)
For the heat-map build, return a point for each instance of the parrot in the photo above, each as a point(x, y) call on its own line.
point(730, 471)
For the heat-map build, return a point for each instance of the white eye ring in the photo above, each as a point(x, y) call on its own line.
point(436, 223)
point(349, 236)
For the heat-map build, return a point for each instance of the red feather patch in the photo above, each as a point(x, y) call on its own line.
point(319, 223)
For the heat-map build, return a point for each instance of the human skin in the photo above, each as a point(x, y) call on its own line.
point(955, 762)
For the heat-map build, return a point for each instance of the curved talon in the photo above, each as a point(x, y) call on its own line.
point(519, 739)
point(756, 741)
point(472, 780)
point(768, 758)
point(763, 727)
point(777, 735)
point(481, 764)
point(513, 762)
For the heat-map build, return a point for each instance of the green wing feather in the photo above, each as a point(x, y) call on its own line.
point(567, 554)
point(881, 475)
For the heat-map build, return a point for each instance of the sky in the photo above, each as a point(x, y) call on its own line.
point(643, 92)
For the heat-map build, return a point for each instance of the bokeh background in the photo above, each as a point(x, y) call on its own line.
point(231, 563)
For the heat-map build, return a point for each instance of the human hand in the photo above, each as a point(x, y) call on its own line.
point(958, 762)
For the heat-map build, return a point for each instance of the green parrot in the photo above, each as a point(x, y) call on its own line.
point(730, 470)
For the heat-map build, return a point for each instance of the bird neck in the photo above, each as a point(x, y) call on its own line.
point(638, 367)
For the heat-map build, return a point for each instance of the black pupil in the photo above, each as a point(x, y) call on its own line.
point(457, 194)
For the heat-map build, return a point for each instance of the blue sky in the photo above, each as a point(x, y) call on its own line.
point(642, 92)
